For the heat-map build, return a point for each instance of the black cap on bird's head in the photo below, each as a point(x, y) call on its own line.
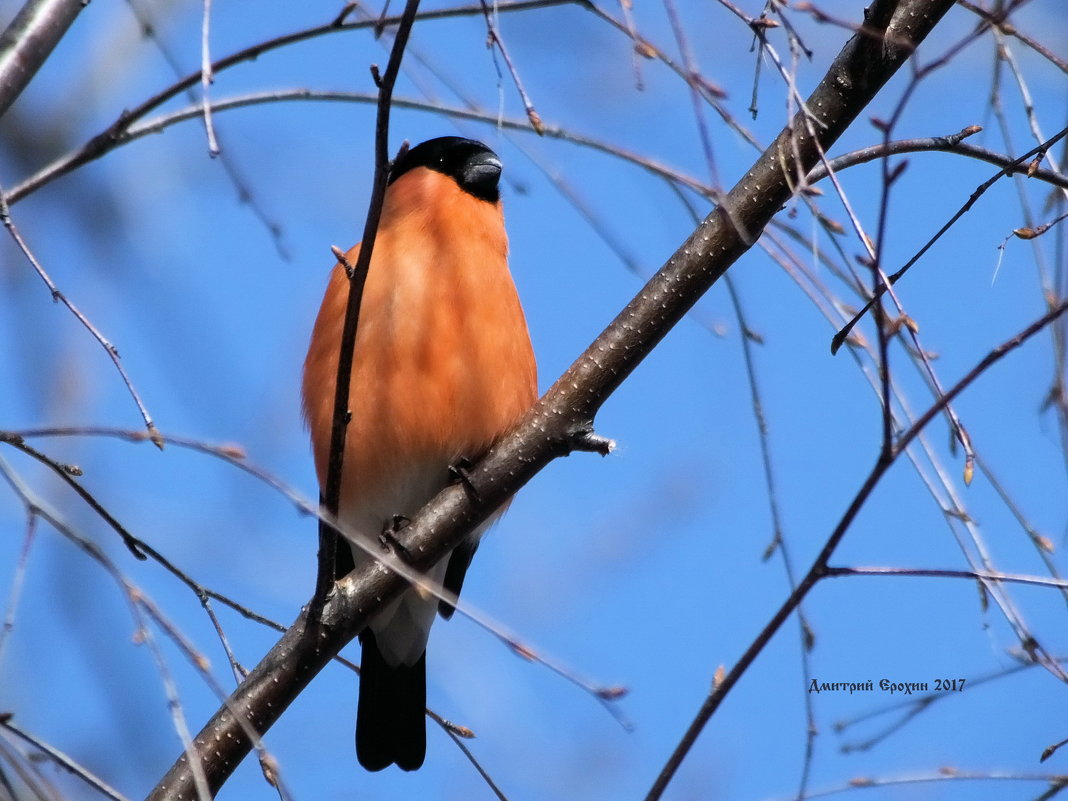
point(475, 168)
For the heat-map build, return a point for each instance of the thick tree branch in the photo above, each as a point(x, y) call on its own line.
point(28, 42)
point(563, 419)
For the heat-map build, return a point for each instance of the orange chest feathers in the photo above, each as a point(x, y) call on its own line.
point(443, 363)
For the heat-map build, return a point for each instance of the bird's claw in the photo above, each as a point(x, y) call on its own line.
point(461, 473)
point(388, 538)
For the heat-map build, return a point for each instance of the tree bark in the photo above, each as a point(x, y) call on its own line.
point(28, 42)
point(562, 421)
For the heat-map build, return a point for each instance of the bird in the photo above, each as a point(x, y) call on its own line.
point(443, 366)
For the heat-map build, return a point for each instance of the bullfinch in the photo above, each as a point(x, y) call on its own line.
point(443, 366)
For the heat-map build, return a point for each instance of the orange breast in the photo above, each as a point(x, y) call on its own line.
point(443, 363)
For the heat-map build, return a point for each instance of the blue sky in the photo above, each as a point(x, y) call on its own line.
point(643, 568)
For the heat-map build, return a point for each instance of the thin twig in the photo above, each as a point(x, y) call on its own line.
point(29, 40)
point(943, 144)
point(157, 124)
point(904, 323)
point(1051, 288)
point(17, 581)
point(458, 741)
point(67, 474)
point(131, 594)
point(637, 51)
point(61, 759)
point(207, 77)
point(998, 20)
point(693, 73)
point(141, 548)
point(60, 297)
point(329, 538)
point(495, 40)
point(1029, 643)
point(1056, 781)
point(1006, 54)
point(953, 511)
point(103, 141)
point(1009, 169)
point(15, 759)
point(819, 566)
point(1043, 545)
point(1009, 578)
point(778, 542)
point(605, 694)
point(242, 188)
point(29, 772)
point(142, 610)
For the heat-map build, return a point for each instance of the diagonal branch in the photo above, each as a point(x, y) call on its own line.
point(562, 421)
point(28, 42)
point(59, 758)
point(60, 297)
point(819, 567)
point(1017, 165)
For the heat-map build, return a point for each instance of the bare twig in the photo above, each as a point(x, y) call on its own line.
point(1056, 782)
point(998, 20)
point(132, 595)
point(160, 123)
point(1010, 578)
point(1009, 169)
point(1005, 53)
point(915, 705)
point(67, 474)
point(693, 80)
point(458, 741)
point(59, 758)
point(494, 33)
point(329, 538)
point(59, 297)
point(17, 581)
point(1043, 545)
point(949, 502)
point(778, 542)
point(944, 144)
point(604, 694)
point(564, 416)
point(207, 78)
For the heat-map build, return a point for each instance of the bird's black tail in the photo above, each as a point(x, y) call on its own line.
point(390, 720)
